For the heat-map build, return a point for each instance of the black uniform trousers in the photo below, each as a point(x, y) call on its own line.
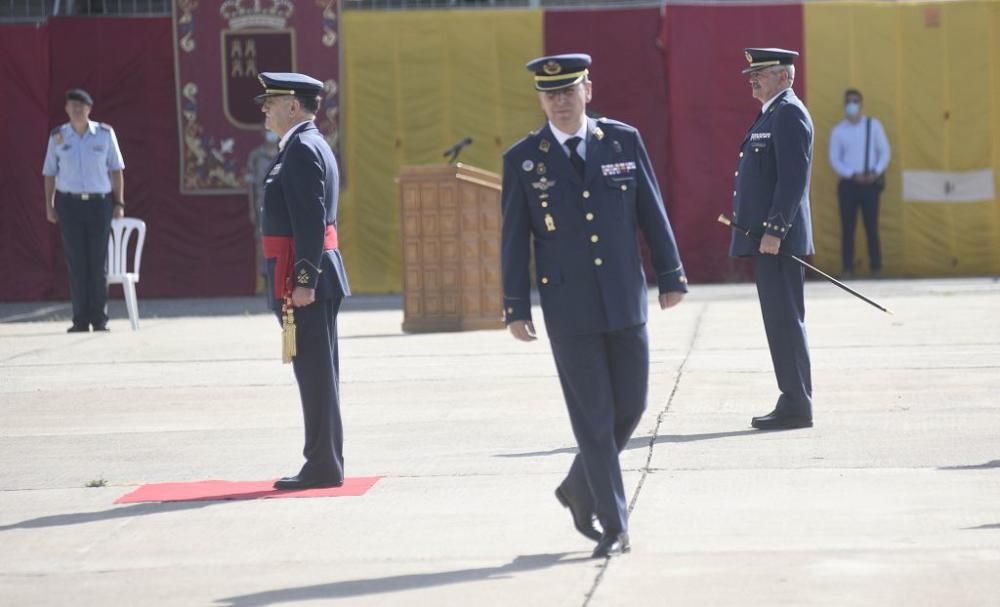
point(85, 226)
point(605, 378)
point(780, 284)
point(317, 370)
point(852, 196)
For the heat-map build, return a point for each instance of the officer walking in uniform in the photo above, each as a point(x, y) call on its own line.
point(84, 189)
point(772, 199)
point(304, 266)
point(575, 191)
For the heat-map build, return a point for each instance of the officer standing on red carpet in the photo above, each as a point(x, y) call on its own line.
point(304, 268)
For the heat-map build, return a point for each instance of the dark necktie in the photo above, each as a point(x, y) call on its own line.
point(574, 158)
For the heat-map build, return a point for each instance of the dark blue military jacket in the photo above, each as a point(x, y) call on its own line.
point(301, 191)
point(587, 261)
point(772, 179)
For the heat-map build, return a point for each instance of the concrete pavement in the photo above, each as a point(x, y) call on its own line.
point(893, 498)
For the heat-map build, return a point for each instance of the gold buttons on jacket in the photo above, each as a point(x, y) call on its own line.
point(589, 216)
point(545, 280)
point(586, 193)
point(598, 261)
point(545, 204)
point(594, 238)
point(736, 174)
point(741, 154)
point(624, 187)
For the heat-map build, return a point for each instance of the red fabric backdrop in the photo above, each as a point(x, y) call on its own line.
point(690, 102)
point(195, 245)
point(27, 253)
point(709, 109)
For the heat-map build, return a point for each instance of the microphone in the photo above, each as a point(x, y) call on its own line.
point(454, 150)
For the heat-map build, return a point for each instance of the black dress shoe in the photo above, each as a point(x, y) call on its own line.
point(297, 482)
point(612, 544)
point(583, 519)
point(101, 328)
point(78, 329)
point(781, 421)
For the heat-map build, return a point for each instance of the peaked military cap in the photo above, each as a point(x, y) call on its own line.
point(760, 58)
point(559, 71)
point(79, 95)
point(277, 84)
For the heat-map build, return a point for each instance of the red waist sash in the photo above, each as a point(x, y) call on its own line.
point(282, 248)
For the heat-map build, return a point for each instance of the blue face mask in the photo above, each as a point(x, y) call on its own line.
point(852, 109)
point(271, 137)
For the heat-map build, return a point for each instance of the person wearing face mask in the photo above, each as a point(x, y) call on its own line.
point(258, 164)
point(859, 153)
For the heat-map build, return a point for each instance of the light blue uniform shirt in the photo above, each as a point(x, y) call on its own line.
point(847, 148)
point(81, 164)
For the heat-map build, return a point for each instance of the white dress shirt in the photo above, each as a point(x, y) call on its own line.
point(847, 148)
point(288, 135)
point(561, 137)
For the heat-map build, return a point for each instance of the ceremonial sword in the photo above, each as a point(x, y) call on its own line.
point(735, 226)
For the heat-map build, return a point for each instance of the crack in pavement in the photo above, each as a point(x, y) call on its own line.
point(652, 444)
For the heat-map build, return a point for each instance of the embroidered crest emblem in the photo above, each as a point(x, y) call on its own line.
point(543, 145)
point(303, 277)
point(551, 68)
point(527, 165)
point(59, 139)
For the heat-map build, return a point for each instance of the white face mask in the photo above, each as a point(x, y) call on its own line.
point(852, 109)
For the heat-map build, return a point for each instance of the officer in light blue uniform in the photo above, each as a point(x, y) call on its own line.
point(304, 266)
point(771, 199)
point(576, 191)
point(84, 188)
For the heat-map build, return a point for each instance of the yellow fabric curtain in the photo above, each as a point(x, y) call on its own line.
point(931, 73)
point(414, 83)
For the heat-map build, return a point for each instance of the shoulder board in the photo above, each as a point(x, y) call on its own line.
point(105, 126)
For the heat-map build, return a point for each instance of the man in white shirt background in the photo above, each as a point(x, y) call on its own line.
point(859, 153)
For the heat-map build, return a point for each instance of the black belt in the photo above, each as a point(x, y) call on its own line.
point(85, 195)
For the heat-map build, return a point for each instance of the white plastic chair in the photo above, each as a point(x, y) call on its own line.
point(121, 232)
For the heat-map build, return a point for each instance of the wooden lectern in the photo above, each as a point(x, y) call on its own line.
point(451, 248)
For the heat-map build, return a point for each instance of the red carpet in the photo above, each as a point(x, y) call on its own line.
point(238, 490)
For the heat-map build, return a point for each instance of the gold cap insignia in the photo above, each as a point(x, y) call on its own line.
point(551, 68)
point(749, 57)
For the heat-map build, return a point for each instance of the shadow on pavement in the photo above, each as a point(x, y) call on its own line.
point(987, 466)
point(179, 308)
point(640, 442)
point(990, 526)
point(80, 518)
point(399, 583)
